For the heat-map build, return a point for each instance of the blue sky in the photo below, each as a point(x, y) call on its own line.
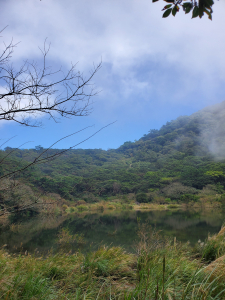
point(153, 69)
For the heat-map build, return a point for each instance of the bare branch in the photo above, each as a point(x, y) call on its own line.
point(33, 91)
point(40, 159)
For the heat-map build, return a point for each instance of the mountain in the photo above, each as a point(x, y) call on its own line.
point(183, 157)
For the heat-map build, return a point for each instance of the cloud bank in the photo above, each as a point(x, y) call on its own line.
point(153, 69)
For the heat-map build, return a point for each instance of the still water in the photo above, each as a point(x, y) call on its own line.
point(116, 228)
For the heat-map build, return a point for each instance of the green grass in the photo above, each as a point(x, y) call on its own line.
point(212, 248)
point(161, 269)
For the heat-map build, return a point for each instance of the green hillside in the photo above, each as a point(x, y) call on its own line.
point(179, 160)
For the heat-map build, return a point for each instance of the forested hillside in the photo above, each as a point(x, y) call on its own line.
point(176, 162)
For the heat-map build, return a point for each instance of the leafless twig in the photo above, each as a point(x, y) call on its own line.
point(33, 91)
point(40, 159)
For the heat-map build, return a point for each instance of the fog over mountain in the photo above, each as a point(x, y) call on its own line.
point(212, 129)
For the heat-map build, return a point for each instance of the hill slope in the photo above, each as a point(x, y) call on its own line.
point(183, 157)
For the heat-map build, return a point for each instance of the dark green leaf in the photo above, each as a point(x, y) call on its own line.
point(207, 3)
point(201, 11)
point(187, 7)
point(195, 12)
point(187, 10)
point(167, 6)
point(174, 11)
point(167, 13)
point(154, 1)
point(187, 4)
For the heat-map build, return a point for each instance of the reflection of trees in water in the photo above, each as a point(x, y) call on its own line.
point(181, 223)
point(182, 219)
point(17, 234)
point(119, 228)
point(213, 217)
point(96, 219)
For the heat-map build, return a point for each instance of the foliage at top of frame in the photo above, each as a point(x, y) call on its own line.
point(197, 8)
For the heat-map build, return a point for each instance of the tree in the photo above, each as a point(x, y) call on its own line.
point(31, 91)
point(142, 198)
point(197, 8)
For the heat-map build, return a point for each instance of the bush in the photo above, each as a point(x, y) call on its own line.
point(141, 198)
point(80, 202)
point(173, 206)
point(125, 199)
point(64, 207)
point(189, 197)
point(110, 207)
point(71, 210)
point(167, 200)
point(175, 190)
point(151, 197)
point(82, 207)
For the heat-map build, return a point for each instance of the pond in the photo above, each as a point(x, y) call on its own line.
point(116, 228)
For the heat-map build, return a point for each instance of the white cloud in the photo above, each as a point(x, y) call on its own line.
point(184, 56)
point(122, 32)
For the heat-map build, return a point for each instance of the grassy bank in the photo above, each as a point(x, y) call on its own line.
point(61, 206)
point(160, 269)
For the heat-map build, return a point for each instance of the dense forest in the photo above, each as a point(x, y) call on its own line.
point(176, 162)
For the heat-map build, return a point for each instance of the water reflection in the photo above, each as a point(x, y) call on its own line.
point(116, 228)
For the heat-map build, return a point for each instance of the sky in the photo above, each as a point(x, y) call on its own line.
point(153, 69)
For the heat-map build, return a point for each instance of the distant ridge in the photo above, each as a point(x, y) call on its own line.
point(184, 156)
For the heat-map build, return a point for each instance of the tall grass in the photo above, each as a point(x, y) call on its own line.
point(161, 269)
point(212, 248)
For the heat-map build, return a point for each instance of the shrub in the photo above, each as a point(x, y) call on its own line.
point(71, 210)
point(175, 190)
point(166, 180)
point(126, 206)
point(151, 198)
point(64, 207)
point(142, 198)
point(82, 207)
point(125, 199)
point(80, 202)
point(111, 207)
point(173, 206)
point(189, 197)
point(167, 200)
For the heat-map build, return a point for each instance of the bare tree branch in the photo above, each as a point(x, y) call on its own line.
point(33, 91)
point(40, 159)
